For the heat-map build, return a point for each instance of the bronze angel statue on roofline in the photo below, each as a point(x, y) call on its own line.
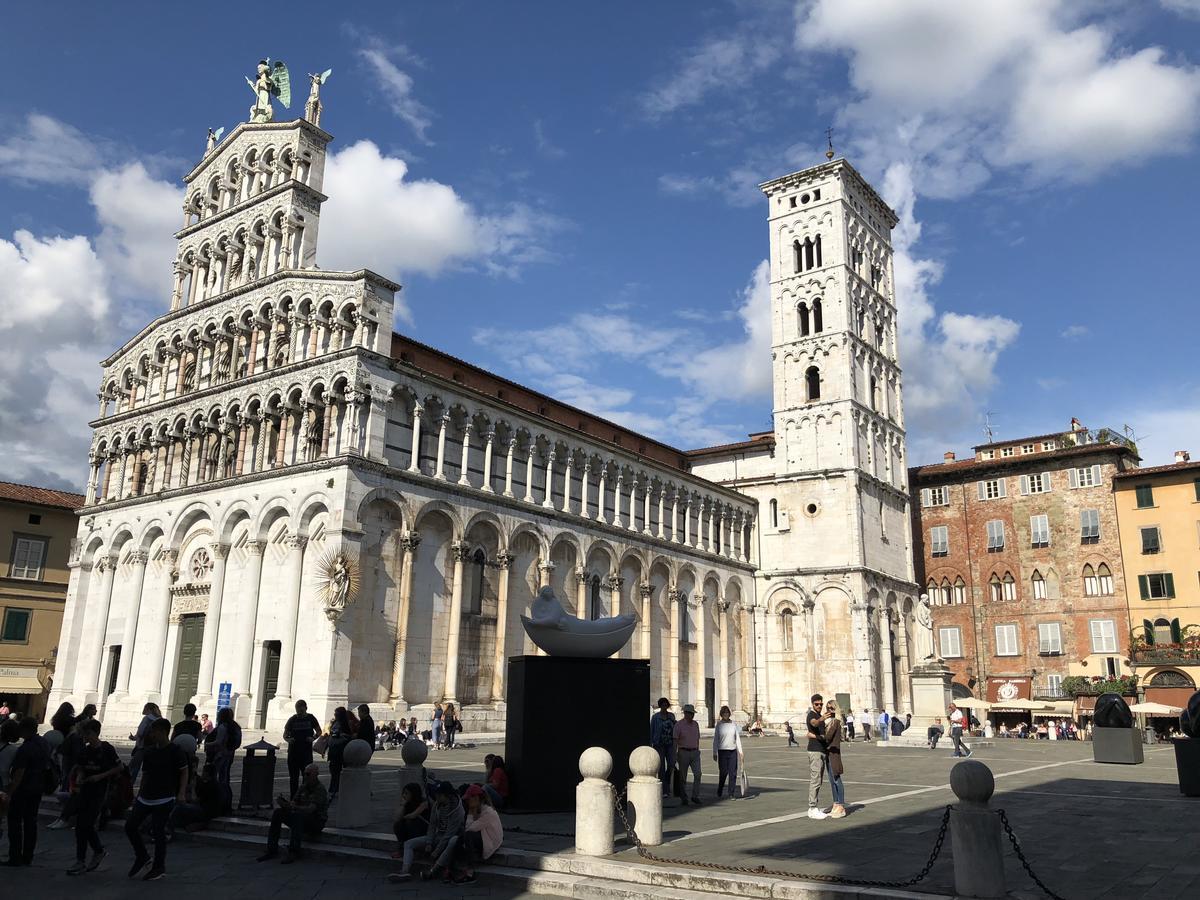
point(271, 81)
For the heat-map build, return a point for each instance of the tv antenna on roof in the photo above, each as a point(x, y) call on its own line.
point(829, 137)
point(987, 426)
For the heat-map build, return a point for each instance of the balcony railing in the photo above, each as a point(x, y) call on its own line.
point(1159, 654)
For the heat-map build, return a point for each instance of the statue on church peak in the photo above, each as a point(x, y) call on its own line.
point(270, 81)
point(312, 108)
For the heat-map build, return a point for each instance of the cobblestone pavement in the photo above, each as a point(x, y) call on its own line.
point(1089, 830)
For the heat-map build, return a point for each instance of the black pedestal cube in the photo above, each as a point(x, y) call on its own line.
point(1117, 745)
point(558, 707)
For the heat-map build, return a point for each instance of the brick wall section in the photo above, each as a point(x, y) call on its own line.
point(1061, 563)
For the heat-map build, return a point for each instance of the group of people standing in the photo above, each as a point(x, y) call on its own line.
point(678, 746)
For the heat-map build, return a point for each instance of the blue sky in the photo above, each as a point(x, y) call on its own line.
point(567, 193)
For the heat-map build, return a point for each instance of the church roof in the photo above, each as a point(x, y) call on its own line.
point(760, 441)
point(39, 496)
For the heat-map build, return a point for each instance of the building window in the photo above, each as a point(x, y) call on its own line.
point(1010, 587)
point(478, 582)
point(1054, 685)
point(802, 310)
point(774, 513)
point(1104, 636)
point(1008, 451)
point(818, 324)
point(1039, 531)
point(785, 628)
point(1091, 587)
point(932, 590)
point(960, 591)
point(1162, 631)
point(1039, 585)
point(936, 496)
point(1151, 539)
point(1089, 526)
point(812, 383)
point(1157, 586)
point(1049, 445)
point(988, 454)
point(1104, 579)
point(995, 588)
point(939, 540)
point(1145, 495)
point(16, 625)
point(28, 555)
point(1037, 483)
point(950, 642)
point(1084, 476)
point(995, 536)
point(945, 592)
point(1196, 485)
point(1050, 638)
point(1006, 640)
point(992, 489)
point(1027, 448)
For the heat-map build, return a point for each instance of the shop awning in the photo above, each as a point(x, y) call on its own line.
point(20, 684)
point(1057, 710)
point(1019, 705)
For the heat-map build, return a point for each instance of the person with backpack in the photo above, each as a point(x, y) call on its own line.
point(150, 713)
point(662, 739)
point(341, 733)
point(33, 774)
point(885, 722)
point(96, 765)
point(299, 733)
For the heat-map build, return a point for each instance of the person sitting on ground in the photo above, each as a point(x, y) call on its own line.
point(497, 780)
point(935, 733)
point(212, 800)
point(412, 819)
point(898, 726)
point(757, 728)
point(481, 837)
point(446, 823)
point(304, 814)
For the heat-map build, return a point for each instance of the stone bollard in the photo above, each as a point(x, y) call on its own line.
point(975, 833)
point(594, 798)
point(354, 792)
point(413, 752)
point(644, 793)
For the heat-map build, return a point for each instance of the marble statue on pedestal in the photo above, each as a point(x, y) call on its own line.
point(562, 635)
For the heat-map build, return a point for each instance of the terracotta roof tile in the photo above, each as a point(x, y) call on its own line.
point(1159, 470)
point(1030, 460)
point(39, 496)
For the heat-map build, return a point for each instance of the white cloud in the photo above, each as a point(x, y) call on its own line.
point(1183, 7)
point(396, 86)
point(48, 151)
point(138, 216)
point(1075, 332)
point(545, 146)
point(379, 218)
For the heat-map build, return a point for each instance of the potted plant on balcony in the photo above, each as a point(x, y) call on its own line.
point(1187, 748)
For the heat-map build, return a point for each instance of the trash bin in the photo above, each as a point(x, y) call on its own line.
point(258, 776)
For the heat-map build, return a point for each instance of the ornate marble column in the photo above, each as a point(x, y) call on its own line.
point(600, 495)
point(675, 516)
point(581, 593)
point(245, 637)
point(440, 470)
point(617, 492)
point(463, 479)
point(504, 561)
point(508, 467)
point(583, 489)
point(290, 618)
point(548, 500)
point(633, 486)
point(212, 622)
point(93, 477)
point(460, 551)
point(409, 542)
point(885, 659)
point(700, 670)
point(487, 462)
point(646, 592)
point(137, 561)
point(414, 463)
point(646, 509)
point(724, 696)
point(156, 652)
point(672, 602)
point(687, 520)
point(567, 466)
point(528, 498)
point(662, 490)
point(905, 700)
point(711, 545)
point(108, 571)
point(545, 569)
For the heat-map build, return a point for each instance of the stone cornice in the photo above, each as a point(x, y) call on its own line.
point(315, 133)
point(278, 190)
point(889, 579)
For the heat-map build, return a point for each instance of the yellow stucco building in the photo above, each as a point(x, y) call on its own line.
point(1158, 516)
point(37, 526)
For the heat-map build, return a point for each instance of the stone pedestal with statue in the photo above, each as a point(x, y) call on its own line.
point(931, 677)
point(576, 697)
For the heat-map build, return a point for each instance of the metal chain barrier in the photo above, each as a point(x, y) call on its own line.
point(1016, 845)
point(784, 873)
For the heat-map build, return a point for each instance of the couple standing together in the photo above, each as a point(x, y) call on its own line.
point(825, 752)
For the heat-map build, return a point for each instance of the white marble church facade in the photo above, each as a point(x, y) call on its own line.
point(271, 420)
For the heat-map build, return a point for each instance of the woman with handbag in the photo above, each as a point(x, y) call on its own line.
point(833, 760)
point(450, 725)
point(727, 751)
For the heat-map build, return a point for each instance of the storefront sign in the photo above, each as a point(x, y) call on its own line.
point(1005, 690)
point(18, 672)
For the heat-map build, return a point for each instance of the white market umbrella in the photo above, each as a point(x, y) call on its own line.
point(971, 703)
point(1155, 709)
point(1019, 704)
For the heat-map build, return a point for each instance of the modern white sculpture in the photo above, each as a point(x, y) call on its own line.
point(562, 635)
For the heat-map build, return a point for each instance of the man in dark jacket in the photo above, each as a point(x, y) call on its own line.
point(299, 732)
point(366, 726)
point(29, 767)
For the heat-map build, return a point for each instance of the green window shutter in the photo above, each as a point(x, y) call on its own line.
point(1144, 587)
point(1196, 485)
point(1176, 632)
point(1169, 581)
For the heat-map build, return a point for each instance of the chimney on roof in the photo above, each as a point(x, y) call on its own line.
point(948, 456)
point(1182, 456)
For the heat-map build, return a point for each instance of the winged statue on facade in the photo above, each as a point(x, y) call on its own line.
point(271, 80)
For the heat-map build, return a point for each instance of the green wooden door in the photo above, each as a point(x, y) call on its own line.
point(187, 672)
point(270, 676)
